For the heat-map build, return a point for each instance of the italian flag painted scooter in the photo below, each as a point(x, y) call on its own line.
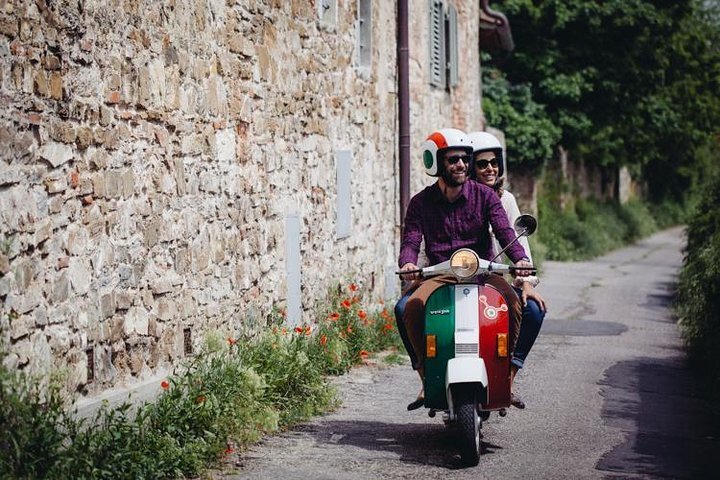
point(467, 365)
point(467, 339)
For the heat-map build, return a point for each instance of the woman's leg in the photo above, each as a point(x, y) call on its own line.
point(532, 320)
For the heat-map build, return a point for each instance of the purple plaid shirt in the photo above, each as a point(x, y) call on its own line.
point(462, 223)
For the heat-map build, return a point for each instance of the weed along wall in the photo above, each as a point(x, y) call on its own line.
point(173, 168)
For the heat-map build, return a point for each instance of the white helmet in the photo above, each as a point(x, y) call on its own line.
point(487, 142)
point(437, 143)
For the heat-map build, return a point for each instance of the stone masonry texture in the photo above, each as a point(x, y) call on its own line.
point(151, 151)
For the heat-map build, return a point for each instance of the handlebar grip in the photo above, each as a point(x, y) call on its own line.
point(533, 270)
point(407, 272)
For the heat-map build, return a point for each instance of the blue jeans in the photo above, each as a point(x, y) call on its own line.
point(532, 320)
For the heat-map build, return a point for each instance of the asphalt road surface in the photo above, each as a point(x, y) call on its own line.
point(608, 391)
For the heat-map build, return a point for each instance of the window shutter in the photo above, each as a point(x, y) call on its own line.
point(437, 44)
point(452, 64)
point(364, 35)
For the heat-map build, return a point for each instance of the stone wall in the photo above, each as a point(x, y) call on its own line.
point(152, 152)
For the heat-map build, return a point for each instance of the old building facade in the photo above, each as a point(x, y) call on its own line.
point(172, 168)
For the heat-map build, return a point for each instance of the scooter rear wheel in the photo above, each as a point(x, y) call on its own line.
point(469, 422)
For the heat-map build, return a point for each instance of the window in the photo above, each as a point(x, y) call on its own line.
point(443, 45)
point(437, 44)
point(364, 36)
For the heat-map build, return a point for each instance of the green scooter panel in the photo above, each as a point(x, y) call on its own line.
point(439, 321)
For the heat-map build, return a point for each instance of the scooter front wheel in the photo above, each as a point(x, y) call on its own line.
point(469, 422)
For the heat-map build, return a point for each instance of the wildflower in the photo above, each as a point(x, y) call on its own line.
point(284, 331)
point(275, 330)
point(349, 329)
point(355, 300)
point(364, 353)
point(164, 384)
point(200, 399)
point(298, 329)
point(353, 287)
point(362, 314)
point(346, 304)
point(229, 450)
point(334, 316)
point(323, 340)
point(308, 330)
point(231, 341)
point(387, 327)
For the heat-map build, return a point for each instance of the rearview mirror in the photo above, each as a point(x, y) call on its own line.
point(525, 225)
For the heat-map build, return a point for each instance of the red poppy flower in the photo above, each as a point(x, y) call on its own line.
point(349, 329)
point(334, 316)
point(353, 287)
point(308, 330)
point(346, 303)
point(200, 399)
point(364, 353)
point(362, 314)
point(298, 330)
point(231, 341)
point(323, 340)
point(164, 384)
point(229, 450)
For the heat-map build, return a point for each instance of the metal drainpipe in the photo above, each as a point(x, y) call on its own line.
point(403, 106)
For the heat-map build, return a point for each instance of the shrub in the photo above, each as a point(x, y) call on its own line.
point(233, 392)
point(698, 302)
point(588, 228)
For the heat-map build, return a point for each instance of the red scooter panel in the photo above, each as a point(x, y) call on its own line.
point(494, 324)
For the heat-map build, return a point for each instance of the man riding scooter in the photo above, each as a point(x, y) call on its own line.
point(450, 214)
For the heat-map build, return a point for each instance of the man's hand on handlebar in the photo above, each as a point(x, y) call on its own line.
point(409, 276)
point(523, 263)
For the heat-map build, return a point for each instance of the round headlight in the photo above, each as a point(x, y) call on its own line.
point(464, 263)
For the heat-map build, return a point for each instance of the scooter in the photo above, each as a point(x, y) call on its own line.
point(467, 350)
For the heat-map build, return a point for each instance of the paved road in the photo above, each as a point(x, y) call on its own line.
point(608, 391)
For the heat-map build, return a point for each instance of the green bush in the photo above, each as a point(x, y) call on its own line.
point(698, 302)
point(588, 228)
point(228, 396)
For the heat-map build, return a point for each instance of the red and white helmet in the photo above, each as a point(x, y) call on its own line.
point(487, 142)
point(437, 143)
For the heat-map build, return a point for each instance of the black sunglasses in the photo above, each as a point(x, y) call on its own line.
point(456, 158)
point(482, 164)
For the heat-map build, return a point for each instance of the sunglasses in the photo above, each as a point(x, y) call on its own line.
point(456, 158)
point(482, 164)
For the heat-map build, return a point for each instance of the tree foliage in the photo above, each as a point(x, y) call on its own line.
point(624, 82)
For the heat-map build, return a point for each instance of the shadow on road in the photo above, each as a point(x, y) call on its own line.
point(416, 443)
point(671, 430)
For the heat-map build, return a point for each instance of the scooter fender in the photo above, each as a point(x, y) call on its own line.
point(464, 370)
